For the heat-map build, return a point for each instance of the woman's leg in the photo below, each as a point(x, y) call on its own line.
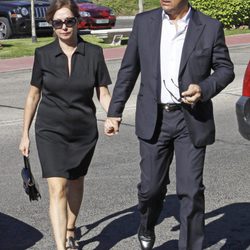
point(58, 209)
point(74, 197)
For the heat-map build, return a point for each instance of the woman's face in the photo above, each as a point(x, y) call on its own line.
point(64, 24)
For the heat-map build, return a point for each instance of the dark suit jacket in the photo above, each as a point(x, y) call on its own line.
point(205, 61)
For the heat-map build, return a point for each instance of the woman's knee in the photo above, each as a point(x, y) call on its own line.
point(76, 185)
point(57, 187)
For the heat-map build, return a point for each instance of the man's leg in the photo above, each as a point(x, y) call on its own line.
point(156, 157)
point(190, 190)
point(155, 162)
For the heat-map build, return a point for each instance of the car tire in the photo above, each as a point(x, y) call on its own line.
point(5, 29)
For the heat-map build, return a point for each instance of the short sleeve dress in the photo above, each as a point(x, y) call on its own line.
point(66, 125)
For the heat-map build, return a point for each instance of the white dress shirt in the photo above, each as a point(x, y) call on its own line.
point(172, 40)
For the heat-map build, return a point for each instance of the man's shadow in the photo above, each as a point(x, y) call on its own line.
point(124, 226)
point(15, 234)
point(230, 224)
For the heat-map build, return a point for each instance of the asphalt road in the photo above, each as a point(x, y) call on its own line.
point(108, 218)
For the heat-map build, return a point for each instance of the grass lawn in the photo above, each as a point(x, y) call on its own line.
point(236, 32)
point(24, 47)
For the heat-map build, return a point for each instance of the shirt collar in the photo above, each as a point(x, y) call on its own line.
point(185, 19)
point(58, 51)
point(80, 46)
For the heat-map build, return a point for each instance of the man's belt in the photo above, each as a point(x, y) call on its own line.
point(169, 107)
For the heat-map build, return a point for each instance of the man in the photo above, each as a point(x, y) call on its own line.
point(184, 62)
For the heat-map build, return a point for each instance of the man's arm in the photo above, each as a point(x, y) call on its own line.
point(127, 75)
point(126, 79)
point(222, 66)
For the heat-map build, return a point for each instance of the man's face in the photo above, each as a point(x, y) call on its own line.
point(173, 7)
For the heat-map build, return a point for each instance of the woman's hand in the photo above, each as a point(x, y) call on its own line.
point(111, 125)
point(25, 146)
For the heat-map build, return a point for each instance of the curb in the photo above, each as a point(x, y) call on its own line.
point(125, 17)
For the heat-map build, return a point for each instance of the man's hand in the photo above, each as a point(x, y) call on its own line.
point(192, 94)
point(111, 125)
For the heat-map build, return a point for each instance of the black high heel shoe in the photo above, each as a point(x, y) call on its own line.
point(71, 242)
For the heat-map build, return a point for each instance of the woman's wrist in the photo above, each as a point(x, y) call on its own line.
point(25, 134)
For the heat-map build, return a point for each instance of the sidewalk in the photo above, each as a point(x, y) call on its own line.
point(22, 63)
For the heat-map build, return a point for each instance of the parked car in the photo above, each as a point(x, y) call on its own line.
point(95, 16)
point(15, 18)
point(243, 106)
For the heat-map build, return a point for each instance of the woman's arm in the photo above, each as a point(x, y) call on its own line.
point(29, 112)
point(103, 96)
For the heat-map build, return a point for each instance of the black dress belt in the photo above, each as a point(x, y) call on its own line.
point(169, 107)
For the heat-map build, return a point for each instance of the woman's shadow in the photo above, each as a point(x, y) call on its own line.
point(15, 234)
point(229, 225)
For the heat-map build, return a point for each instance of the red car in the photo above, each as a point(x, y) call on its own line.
point(243, 106)
point(94, 16)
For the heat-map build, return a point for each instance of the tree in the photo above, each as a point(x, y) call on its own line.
point(33, 23)
point(141, 3)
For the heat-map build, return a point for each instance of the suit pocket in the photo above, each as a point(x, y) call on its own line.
point(202, 52)
point(201, 61)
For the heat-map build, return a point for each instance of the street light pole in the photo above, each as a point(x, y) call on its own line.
point(141, 3)
point(33, 24)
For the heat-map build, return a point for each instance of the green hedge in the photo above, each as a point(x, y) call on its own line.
point(128, 7)
point(232, 13)
point(120, 7)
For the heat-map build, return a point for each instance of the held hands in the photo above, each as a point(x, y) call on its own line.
point(24, 146)
point(192, 94)
point(111, 125)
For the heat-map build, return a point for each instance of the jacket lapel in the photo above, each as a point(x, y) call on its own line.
point(154, 32)
point(194, 31)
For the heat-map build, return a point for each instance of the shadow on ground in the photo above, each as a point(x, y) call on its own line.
point(229, 226)
point(15, 234)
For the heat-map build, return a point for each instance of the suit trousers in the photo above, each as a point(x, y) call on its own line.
point(172, 137)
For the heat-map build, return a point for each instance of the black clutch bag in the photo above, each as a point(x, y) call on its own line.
point(29, 184)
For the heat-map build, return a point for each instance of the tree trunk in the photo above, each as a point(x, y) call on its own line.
point(33, 24)
point(141, 3)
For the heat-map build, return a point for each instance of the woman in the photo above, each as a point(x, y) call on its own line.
point(65, 73)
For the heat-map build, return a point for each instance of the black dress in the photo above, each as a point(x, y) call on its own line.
point(66, 125)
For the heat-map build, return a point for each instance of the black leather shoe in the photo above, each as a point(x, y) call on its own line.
point(146, 238)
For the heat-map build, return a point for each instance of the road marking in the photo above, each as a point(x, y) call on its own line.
point(11, 122)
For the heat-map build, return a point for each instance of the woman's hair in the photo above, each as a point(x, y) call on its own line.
point(58, 4)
